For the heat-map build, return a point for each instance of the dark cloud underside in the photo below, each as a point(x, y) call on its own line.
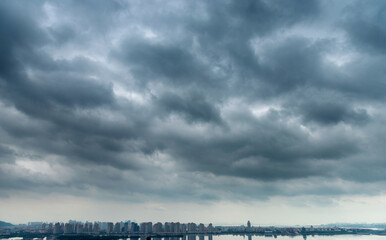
point(251, 94)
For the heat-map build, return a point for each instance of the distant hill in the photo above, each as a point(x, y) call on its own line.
point(5, 224)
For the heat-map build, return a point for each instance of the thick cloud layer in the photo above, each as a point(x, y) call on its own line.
point(195, 100)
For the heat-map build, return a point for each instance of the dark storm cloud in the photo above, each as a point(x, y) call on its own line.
point(227, 95)
point(168, 63)
point(266, 150)
point(6, 154)
point(363, 24)
point(292, 63)
point(234, 23)
point(21, 39)
point(333, 113)
point(194, 107)
point(226, 37)
point(53, 92)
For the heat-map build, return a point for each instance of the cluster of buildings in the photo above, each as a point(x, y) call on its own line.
point(175, 227)
point(128, 227)
point(60, 228)
point(39, 229)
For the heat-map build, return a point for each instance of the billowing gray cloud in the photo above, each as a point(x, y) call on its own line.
point(363, 25)
point(193, 106)
point(191, 100)
point(332, 113)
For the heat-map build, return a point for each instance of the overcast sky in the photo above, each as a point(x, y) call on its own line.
point(204, 111)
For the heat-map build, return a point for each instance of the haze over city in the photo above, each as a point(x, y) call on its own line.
point(193, 111)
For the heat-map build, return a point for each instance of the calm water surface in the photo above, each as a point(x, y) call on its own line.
point(300, 237)
point(336, 237)
point(238, 237)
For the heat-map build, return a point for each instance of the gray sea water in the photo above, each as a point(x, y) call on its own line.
point(298, 237)
point(335, 237)
point(245, 237)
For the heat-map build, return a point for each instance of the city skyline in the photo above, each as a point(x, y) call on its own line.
point(74, 230)
point(204, 111)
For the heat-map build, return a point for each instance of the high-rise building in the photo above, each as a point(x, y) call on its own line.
point(79, 228)
point(149, 227)
point(143, 227)
point(50, 228)
point(210, 228)
point(96, 228)
point(103, 226)
point(68, 228)
point(85, 229)
point(57, 229)
point(146, 227)
point(192, 227)
point(134, 227)
point(183, 228)
point(167, 227)
point(201, 228)
point(172, 227)
point(177, 227)
point(157, 228)
point(249, 224)
point(90, 227)
point(110, 227)
point(117, 227)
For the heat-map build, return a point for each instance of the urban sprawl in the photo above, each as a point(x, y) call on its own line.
point(148, 230)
